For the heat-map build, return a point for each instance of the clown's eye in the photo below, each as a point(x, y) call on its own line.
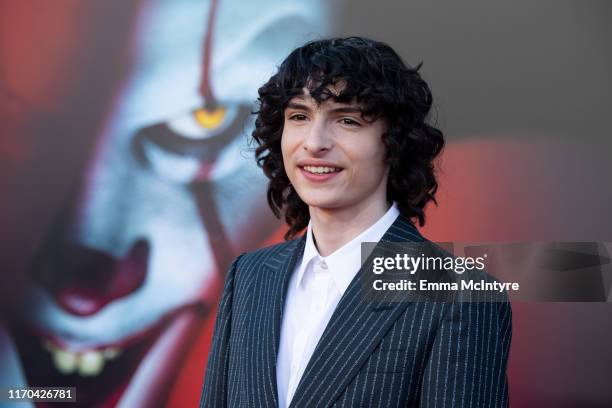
point(209, 118)
point(184, 147)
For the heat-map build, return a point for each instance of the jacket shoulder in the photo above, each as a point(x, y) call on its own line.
point(271, 254)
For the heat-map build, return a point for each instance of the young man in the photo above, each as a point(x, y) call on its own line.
point(343, 138)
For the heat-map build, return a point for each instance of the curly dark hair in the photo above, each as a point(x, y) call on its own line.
point(375, 77)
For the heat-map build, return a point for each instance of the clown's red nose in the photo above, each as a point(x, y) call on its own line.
point(84, 280)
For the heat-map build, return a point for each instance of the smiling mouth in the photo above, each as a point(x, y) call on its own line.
point(101, 374)
point(321, 169)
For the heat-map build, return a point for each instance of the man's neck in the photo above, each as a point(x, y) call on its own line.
point(333, 228)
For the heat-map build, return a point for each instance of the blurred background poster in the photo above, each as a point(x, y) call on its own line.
point(128, 184)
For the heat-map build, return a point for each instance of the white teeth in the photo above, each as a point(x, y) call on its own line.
point(87, 363)
point(92, 363)
point(65, 361)
point(320, 169)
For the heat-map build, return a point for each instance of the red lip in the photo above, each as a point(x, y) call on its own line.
point(319, 177)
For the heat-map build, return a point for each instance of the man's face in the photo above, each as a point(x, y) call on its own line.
point(333, 156)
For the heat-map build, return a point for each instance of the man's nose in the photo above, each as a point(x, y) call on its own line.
point(318, 138)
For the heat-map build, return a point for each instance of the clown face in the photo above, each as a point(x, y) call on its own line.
point(171, 194)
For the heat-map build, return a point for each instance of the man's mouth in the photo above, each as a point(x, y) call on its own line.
point(321, 169)
point(319, 174)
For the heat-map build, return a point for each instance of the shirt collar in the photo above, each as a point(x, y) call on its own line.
point(345, 262)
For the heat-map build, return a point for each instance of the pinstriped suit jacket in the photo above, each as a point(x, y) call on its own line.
point(371, 354)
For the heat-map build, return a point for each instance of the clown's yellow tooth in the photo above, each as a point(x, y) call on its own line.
point(65, 361)
point(91, 363)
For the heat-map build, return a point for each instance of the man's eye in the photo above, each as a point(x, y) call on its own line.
point(350, 122)
point(298, 117)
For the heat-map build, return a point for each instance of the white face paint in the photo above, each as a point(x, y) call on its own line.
point(167, 200)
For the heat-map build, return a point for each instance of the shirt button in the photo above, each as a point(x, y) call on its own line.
point(323, 265)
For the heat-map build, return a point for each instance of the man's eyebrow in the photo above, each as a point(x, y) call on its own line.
point(347, 109)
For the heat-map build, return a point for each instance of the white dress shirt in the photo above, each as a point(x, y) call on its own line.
point(314, 290)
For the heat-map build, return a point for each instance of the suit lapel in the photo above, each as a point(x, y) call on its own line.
point(276, 274)
point(354, 330)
